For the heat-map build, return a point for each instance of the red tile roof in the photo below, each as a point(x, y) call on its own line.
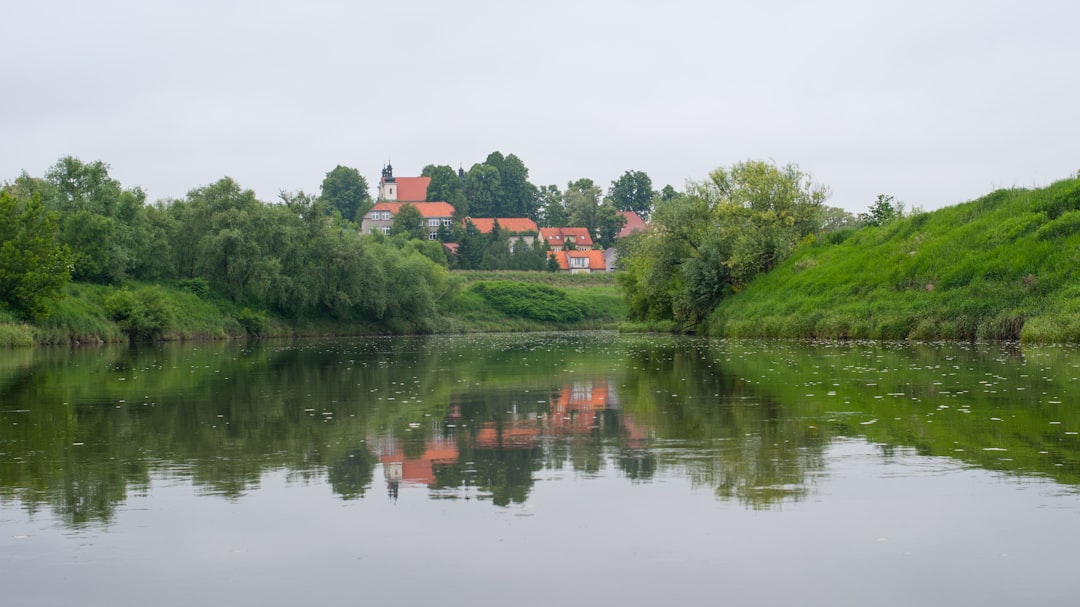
point(427, 209)
point(595, 259)
point(633, 224)
point(510, 224)
point(412, 189)
point(557, 236)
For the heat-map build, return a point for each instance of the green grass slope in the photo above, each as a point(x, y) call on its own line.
point(1005, 266)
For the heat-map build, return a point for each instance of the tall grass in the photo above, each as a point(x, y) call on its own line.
point(1005, 266)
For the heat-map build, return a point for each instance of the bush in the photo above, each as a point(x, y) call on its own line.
point(253, 322)
point(198, 286)
point(144, 314)
point(532, 301)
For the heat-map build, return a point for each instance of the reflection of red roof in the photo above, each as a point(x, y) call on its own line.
point(515, 435)
point(557, 236)
point(508, 224)
point(594, 260)
point(633, 224)
point(427, 209)
point(412, 189)
point(422, 469)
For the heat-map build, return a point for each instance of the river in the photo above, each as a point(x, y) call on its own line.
point(569, 468)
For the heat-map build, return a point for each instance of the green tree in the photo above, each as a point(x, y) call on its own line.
point(884, 211)
point(100, 221)
point(553, 209)
point(517, 197)
point(582, 201)
point(835, 218)
point(34, 267)
point(231, 239)
point(446, 185)
point(608, 225)
point(471, 247)
point(633, 192)
point(409, 221)
point(727, 229)
point(346, 190)
point(483, 189)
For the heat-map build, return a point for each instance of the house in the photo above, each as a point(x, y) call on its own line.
point(381, 216)
point(558, 238)
point(634, 223)
point(580, 261)
point(520, 228)
point(402, 189)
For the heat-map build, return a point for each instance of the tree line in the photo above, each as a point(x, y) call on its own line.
point(500, 187)
point(302, 256)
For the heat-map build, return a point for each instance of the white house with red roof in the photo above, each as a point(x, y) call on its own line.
point(381, 217)
point(580, 261)
point(559, 238)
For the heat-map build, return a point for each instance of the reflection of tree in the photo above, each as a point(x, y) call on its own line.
point(351, 474)
point(745, 447)
point(80, 428)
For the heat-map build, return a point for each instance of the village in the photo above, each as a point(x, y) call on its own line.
point(573, 249)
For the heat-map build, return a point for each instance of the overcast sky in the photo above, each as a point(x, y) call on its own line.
point(932, 102)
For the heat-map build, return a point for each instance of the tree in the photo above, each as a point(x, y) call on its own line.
point(608, 225)
point(884, 210)
point(633, 192)
point(835, 218)
point(517, 197)
point(483, 190)
point(446, 186)
point(553, 212)
point(101, 222)
point(710, 242)
point(582, 200)
point(232, 240)
point(34, 267)
point(471, 247)
point(346, 190)
point(409, 221)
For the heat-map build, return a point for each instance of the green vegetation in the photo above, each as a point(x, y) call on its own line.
point(712, 241)
point(1000, 267)
point(220, 263)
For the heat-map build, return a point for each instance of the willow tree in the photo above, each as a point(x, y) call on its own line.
point(711, 241)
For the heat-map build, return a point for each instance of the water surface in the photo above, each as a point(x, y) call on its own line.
point(579, 468)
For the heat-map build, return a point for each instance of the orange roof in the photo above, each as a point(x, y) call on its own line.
point(633, 224)
point(509, 224)
point(412, 189)
point(556, 236)
point(427, 209)
point(595, 259)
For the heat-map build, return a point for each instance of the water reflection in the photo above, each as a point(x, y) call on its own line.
point(479, 417)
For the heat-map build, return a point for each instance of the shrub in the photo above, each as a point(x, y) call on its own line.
point(144, 314)
point(532, 301)
point(254, 322)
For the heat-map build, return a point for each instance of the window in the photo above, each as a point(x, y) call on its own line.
point(433, 222)
point(446, 221)
point(579, 262)
point(432, 236)
point(385, 230)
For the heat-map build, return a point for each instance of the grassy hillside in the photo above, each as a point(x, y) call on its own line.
point(1005, 266)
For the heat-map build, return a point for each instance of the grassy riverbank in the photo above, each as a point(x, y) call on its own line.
point(1004, 266)
point(479, 302)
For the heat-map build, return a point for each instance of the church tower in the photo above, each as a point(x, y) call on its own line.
point(388, 185)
